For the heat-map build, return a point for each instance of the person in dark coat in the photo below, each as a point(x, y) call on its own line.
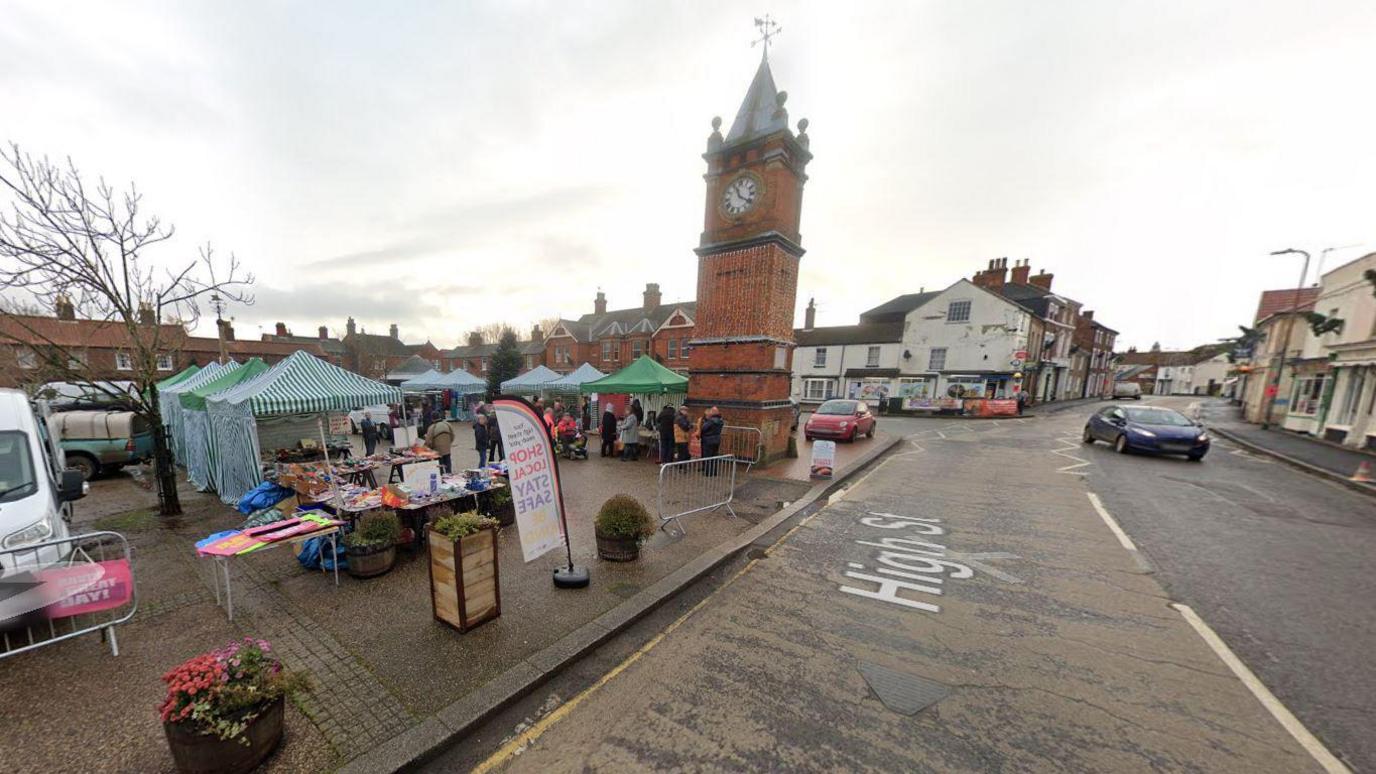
point(664, 423)
point(638, 411)
point(586, 415)
point(608, 431)
point(712, 425)
point(370, 434)
point(496, 450)
point(683, 434)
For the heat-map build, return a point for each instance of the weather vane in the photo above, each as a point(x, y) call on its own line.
point(768, 28)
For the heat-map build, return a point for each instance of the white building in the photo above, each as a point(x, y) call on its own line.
point(1349, 415)
point(963, 341)
point(854, 361)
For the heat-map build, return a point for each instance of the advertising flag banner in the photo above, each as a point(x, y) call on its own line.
point(533, 475)
point(823, 458)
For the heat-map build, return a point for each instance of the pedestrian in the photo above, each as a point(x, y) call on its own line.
point(558, 410)
point(630, 437)
point(482, 439)
point(549, 422)
point(587, 415)
point(637, 410)
point(664, 424)
point(370, 433)
point(567, 430)
point(711, 438)
point(608, 431)
point(439, 436)
point(1022, 401)
point(683, 433)
point(496, 449)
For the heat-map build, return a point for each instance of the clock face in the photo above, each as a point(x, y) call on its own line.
point(740, 195)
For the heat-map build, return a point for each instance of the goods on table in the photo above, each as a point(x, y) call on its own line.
point(242, 541)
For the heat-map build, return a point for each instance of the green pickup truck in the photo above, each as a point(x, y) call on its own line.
point(99, 441)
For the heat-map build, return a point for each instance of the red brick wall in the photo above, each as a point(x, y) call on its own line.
point(747, 292)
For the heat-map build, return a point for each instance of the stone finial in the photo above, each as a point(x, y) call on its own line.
point(781, 113)
point(714, 140)
point(803, 139)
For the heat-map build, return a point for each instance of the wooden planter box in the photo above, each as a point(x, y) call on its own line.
point(465, 589)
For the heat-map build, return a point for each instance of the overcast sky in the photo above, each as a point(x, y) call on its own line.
point(444, 165)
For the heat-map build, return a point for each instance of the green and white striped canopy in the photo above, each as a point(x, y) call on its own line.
point(305, 384)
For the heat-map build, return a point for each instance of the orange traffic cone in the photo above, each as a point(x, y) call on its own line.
point(1363, 473)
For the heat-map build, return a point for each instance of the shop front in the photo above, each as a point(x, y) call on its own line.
point(1311, 389)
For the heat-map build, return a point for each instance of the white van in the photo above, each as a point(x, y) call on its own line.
point(1127, 390)
point(36, 489)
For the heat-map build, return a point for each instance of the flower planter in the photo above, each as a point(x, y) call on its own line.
point(465, 589)
point(196, 753)
point(617, 549)
point(371, 561)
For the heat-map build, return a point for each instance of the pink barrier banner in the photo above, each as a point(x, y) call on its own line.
point(984, 407)
point(86, 588)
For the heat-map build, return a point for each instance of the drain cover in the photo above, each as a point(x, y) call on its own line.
point(901, 692)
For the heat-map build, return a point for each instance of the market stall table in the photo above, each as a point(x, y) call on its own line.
point(330, 531)
point(400, 461)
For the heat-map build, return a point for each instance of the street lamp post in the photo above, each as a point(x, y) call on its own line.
point(1274, 386)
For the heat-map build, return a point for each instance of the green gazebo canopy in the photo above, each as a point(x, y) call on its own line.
point(195, 399)
point(180, 376)
point(642, 377)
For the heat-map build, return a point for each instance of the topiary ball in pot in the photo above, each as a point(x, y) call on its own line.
point(622, 525)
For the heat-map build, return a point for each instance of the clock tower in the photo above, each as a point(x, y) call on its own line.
point(742, 353)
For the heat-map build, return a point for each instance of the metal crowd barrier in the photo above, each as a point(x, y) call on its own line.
point(744, 443)
point(693, 486)
point(59, 589)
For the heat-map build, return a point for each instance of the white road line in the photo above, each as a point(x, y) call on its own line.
point(1292, 724)
point(1070, 443)
point(1108, 519)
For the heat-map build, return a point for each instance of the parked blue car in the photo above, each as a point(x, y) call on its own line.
point(1149, 429)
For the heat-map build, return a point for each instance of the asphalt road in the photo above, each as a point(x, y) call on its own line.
point(1280, 564)
point(1058, 650)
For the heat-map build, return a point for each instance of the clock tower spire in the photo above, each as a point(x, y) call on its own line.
point(748, 265)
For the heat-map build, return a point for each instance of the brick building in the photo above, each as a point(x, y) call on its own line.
point(102, 350)
point(375, 356)
point(1092, 351)
point(610, 340)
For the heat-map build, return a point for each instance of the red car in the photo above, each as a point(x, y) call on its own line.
point(843, 420)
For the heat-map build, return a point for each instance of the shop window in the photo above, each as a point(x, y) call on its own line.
point(958, 311)
point(123, 362)
point(1307, 395)
point(937, 360)
point(819, 358)
point(872, 358)
point(818, 389)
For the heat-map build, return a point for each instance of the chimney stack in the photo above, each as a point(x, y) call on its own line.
point(146, 316)
point(64, 308)
point(350, 328)
point(324, 333)
point(1020, 271)
point(810, 316)
point(281, 329)
point(599, 305)
point(392, 331)
point(226, 329)
point(1088, 315)
point(474, 338)
point(1042, 280)
point(652, 296)
point(993, 277)
point(537, 336)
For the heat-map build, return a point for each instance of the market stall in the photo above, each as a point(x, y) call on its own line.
point(301, 387)
point(644, 379)
point(201, 445)
point(567, 386)
point(430, 380)
point(467, 390)
point(169, 404)
point(530, 382)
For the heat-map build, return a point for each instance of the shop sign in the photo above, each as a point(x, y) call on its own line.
point(931, 404)
point(823, 458)
point(533, 475)
point(987, 407)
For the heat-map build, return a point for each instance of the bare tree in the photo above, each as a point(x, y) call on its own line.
point(492, 332)
point(62, 242)
point(548, 324)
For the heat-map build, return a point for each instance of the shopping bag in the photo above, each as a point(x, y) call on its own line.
point(619, 446)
